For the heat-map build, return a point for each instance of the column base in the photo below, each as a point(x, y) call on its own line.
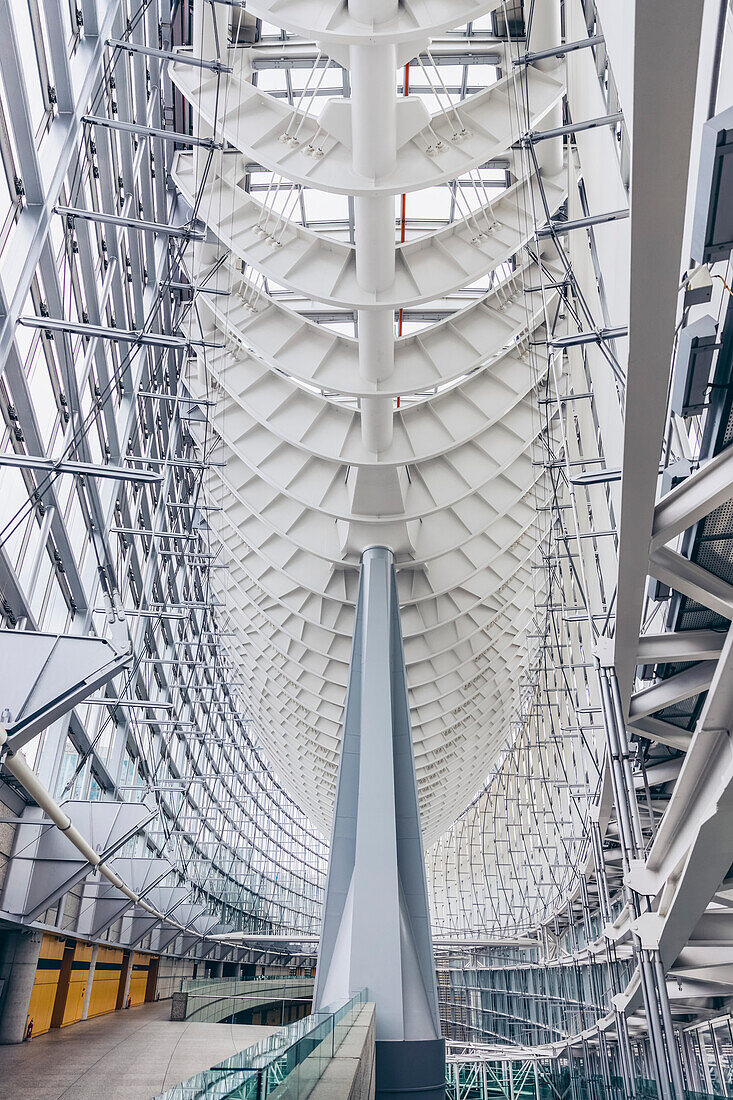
point(19, 951)
point(414, 1070)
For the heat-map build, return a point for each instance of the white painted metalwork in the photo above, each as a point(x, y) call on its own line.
point(420, 442)
point(463, 375)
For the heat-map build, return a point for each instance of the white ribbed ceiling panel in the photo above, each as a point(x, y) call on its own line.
point(421, 437)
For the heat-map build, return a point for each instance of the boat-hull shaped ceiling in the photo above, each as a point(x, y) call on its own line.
point(327, 442)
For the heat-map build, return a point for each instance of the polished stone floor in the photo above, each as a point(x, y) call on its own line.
point(132, 1055)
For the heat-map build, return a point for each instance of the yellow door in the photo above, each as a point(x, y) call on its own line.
point(139, 978)
point(45, 983)
point(77, 983)
point(106, 981)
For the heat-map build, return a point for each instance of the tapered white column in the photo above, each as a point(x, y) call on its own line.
point(376, 923)
point(90, 982)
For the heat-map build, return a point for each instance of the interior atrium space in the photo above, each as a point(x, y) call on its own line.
point(366, 549)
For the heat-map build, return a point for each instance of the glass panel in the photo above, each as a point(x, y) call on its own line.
point(286, 1065)
point(694, 1040)
point(708, 1049)
point(724, 1043)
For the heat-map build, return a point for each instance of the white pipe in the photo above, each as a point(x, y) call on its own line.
point(376, 346)
point(18, 766)
point(546, 32)
point(374, 240)
point(374, 154)
point(90, 982)
point(376, 423)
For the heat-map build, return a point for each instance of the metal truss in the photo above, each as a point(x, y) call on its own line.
point(155, 283)
point(654, 884)
point(104, 518)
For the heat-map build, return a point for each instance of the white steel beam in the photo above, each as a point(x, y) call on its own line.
point(666, 48)
point(664, 733)
point(81, 469)
point(167, 55)
point(692, 849)
point(683, 685)
point(681, 645)
point(693, 499)
point(186, 231)
point(149, 131)
point(101, 332)
point(692, 580)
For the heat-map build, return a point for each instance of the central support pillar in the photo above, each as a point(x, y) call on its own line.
point(376, 926)
point(373, 71)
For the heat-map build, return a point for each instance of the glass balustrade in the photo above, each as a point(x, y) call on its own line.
point(286, 1065)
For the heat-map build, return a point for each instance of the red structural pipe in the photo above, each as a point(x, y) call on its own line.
point(404, 206)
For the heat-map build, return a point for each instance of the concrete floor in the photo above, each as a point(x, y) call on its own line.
point(132, 1055)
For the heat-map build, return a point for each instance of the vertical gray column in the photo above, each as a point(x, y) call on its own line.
point(19, 962)
point(125, 979)
point(662, 1040)
point(376, 925)
point(90, 982)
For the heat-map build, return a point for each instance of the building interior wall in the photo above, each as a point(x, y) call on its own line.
point(565, 866)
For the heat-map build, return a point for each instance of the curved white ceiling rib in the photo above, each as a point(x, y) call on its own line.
point(330, 21)
point(479, 471)
point(314, 355)
point(320, 267)
point(302, 488)
point(255, 123)
point(458, 547)
point(305, 352)
point(473, 701)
